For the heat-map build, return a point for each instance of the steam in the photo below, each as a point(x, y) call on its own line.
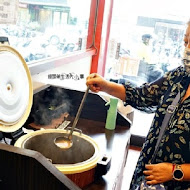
point(50, 104)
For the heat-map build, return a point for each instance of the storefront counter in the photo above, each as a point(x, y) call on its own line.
point(113, 144)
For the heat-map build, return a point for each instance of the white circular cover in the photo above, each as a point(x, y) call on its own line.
point(14, 90)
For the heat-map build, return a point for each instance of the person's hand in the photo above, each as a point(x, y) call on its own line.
point(158, 173)
point(96, 82)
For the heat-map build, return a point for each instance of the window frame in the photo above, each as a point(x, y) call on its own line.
point(93, 45)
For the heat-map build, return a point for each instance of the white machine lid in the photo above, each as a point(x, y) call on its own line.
point(16, 92)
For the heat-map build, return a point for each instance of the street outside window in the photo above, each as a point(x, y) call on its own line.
point(46, 29)
point(146, 41)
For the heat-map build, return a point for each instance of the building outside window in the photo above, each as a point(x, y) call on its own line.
point(48, 28)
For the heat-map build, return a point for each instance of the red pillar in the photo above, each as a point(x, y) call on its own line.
point(100, 43)
point(105, 40)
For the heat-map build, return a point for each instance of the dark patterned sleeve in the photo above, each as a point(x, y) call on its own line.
point(147, 96)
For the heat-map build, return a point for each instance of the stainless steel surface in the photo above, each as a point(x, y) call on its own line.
point(82, 149)
point(65, 142)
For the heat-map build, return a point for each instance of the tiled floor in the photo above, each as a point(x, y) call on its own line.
point(141, 125)
point(132, 158)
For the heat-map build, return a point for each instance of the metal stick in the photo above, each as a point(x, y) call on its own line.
point(78, 113)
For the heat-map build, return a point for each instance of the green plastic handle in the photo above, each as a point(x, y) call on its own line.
point(111, 114)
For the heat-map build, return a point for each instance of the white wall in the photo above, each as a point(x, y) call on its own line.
point(77, 68)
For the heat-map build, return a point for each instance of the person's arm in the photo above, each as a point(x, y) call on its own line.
point(98, 83)
point(117, 90)
point(163, 172)
point(145, 98)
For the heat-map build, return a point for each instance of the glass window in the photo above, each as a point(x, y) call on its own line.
point(48, 28)
point(146, 40)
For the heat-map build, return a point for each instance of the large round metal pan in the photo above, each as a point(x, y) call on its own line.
point(78, 162)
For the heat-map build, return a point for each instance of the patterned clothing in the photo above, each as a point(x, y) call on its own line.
point(175, 144)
